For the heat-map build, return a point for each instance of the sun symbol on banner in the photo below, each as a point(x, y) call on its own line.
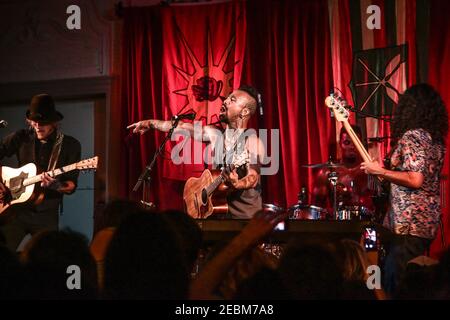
point(208, 85)
point(379, 75)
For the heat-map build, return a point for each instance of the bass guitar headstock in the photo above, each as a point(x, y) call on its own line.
point(337, 105)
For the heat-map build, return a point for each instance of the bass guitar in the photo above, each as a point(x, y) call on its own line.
point(380, 200)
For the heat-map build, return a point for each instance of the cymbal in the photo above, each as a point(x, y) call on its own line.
point(328, 164)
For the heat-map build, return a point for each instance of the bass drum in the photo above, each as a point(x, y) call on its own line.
point(307, 212)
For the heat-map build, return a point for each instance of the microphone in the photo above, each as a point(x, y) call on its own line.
point(3, 124)
point(189, 116)
point(260, 104)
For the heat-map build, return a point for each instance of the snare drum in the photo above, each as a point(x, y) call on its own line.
point(307, 212)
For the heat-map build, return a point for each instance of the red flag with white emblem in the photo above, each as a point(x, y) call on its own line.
point(203, 53)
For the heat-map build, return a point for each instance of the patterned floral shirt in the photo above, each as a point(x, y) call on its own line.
point(416, 212)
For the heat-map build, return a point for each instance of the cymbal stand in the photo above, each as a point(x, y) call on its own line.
point(333, 177)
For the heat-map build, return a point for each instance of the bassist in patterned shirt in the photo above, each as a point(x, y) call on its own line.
point(420, 127)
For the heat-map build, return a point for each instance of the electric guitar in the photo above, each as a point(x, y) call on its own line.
point(198, 192)
point(337, 105)
point(21, 181)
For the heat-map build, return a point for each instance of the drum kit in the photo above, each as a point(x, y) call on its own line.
point(303, 210)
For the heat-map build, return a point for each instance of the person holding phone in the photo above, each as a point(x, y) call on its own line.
point(420, 125)
point(370, 239)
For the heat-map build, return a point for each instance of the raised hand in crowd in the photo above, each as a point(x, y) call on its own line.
point(260, 226)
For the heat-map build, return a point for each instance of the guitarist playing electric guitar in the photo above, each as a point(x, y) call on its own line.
point(48, 148)
point(244, 200)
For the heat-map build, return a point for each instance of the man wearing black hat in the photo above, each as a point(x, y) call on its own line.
point(48, 148)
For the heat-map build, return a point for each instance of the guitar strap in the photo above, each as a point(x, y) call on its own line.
point(233, 150)
point(55, 151)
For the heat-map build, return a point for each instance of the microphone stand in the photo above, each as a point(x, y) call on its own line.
point(145, 178)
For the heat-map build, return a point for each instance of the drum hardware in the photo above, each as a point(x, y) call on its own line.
point(354, 212)
point(332, 178)
point(329, 165)
point(148, 205)
point(303, 196)
point(304, 211)
point(307, 212)
point(267, 207)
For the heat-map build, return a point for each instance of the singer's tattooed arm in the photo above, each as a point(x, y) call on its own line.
point(198, 132)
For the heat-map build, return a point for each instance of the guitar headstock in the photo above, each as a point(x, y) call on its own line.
point(87, 164)
point(338, 105)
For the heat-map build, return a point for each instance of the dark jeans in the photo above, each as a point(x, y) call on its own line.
point(24, 220)
point(402, 249)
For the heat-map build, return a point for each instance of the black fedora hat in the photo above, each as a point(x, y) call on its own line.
point(42, 109)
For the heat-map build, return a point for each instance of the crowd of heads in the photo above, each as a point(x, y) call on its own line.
point(156, 255)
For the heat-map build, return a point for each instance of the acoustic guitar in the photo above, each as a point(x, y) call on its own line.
point(21, 181)
point(198, 192)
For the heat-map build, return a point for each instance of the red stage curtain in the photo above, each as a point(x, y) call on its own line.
point(167, 51)
point(142, 99)
point(287, 58)
point(439, 77)
point(202, 61)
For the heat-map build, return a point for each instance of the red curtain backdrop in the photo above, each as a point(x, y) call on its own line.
point(284, 58)
point(203, 52)
point(289, 60)
point(439, 77)
point(142, 99)
point(287, 55)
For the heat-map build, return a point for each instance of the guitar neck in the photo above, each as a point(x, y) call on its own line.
point(214, 185)
point(358, 144)
point(53, 174)
point(341, 114)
